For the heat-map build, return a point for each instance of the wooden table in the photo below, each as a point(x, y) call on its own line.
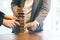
point(20, 37)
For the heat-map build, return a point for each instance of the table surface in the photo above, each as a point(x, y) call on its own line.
point(20, 37)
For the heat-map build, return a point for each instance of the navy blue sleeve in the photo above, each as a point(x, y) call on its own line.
point(2, 14)
point(1, 17)
point(1, 21)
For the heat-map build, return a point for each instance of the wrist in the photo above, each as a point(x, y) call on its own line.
point(5, 16)
point(2, 14)
point(3, 21)
point(36, 22)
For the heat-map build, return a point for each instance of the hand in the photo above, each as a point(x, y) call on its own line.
point(31, 25)
point(15, 10)
point(10, 23)
point(10, 17)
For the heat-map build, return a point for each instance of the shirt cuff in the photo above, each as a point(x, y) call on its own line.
point(36, 22)
point(1, 21)
point(2, 14)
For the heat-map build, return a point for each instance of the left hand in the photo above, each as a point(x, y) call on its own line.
point(10, 23)
point(31, 25)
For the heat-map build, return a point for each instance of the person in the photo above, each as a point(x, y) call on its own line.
point(7, 21)
point(39, 10)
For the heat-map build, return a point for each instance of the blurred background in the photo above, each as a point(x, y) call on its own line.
point(51, 23)
point(5, 6)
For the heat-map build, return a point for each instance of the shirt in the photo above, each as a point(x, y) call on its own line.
point(27, 9)
point(28, 6)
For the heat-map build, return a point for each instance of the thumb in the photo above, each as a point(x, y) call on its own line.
point(15, 18)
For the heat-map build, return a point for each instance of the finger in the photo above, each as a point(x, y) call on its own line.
point(17, 23)
point(32, 26)
point(15, 18)
point(9, 26)
point(13, 24)
point(29, 25)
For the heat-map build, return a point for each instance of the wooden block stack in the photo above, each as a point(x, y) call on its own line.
point(21, 19)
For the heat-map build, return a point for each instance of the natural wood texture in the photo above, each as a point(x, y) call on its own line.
point(20, 37)
point(22, 19)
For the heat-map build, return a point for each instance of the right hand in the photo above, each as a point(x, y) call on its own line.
point(10, 23)
point(10, 17)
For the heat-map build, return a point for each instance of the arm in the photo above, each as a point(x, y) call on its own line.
point(44, 11)
point(41, 15)
point(8, 21)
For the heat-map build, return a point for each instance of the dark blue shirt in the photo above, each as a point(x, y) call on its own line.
point(1, 17)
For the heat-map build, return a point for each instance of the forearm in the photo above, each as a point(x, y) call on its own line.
point(7, 16)
point(3, 15)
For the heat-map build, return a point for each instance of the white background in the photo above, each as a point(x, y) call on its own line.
point(51, 23)
point(5, 6)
